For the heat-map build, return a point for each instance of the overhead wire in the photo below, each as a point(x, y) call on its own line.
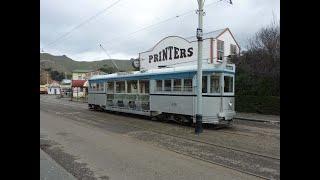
point(152, 25)
point(81, 24)
point(111, 41)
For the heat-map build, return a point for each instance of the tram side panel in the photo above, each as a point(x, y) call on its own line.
point(100, 99)
point(172, 104)
point(212, 107)
point(91, 98)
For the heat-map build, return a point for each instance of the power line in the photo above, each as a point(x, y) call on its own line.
point(111, 41)
point(152, 25)
point(82, 23)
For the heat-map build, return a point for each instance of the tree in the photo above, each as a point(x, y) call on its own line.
point(57, 76)
point(107, 69)
point(258, 69)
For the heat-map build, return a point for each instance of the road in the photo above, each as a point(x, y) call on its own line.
point(99, 145)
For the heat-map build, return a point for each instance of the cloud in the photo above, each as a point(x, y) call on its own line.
point(112, 28)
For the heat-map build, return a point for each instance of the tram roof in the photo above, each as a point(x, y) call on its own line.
point(162, 72)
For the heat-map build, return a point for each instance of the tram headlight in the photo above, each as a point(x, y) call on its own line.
point(230, 104)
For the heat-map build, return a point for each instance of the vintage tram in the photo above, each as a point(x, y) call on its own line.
point(167, 93)
point(165, 85)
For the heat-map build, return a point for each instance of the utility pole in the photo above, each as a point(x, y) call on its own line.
point(198, 127)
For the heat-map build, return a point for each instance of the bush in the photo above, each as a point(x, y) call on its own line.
point(258, 104)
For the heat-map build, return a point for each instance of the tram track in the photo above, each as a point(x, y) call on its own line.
point(96, 120)
point(190, 139)
point(194, 140)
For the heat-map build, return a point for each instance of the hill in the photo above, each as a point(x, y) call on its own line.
point(65, 64)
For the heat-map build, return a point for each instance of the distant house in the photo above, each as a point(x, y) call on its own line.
point(43, 89)
point(65, 87)
point(79, 88)
point(79, 82)
point(54, 88)
point(85, 74)
point(80, 74)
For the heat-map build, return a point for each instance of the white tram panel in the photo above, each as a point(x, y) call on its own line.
point(172, 104)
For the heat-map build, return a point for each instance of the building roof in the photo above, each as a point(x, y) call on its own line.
point(81, 71)
point(66, 81)
point(212, 34)
point(78, 83)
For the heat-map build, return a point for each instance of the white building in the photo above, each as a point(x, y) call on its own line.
point(175, 51)
point(54, 88)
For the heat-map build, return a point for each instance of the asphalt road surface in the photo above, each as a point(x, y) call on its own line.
point(99, 145)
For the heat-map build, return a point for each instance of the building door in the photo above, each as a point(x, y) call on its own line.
point(55, 91)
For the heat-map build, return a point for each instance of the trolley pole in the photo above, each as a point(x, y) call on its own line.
point(198, 127)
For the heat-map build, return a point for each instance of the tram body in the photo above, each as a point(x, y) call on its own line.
point(168, 93)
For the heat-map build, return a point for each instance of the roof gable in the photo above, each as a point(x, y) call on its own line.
point(211, 34)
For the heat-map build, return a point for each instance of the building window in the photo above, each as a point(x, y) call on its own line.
point(167, 85)
point(132, 86)
point(187, 85)
point(228, 84)
point(204, 84)
point(177, 85)
point(110, 86)
point(120, 87)
point(159, 85)
point(220, 48)
point(215, 84)
point(233, 49)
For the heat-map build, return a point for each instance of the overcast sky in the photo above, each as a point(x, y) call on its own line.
point(115, 28)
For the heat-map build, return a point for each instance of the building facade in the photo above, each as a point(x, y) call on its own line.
point(54, 88)
point(217, 46)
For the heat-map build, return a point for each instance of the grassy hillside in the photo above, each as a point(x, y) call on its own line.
point(65, 64)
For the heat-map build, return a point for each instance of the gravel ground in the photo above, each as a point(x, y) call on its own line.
point(247, 162)
point(261, 138)
point(106, 154)
point(67, 161)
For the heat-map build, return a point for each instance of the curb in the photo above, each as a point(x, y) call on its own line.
point(258, 120)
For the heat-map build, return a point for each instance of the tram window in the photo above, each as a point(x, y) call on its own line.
point(215, 84)
point(204, 84)
point(228, 84)
point(159, 85)
point(187, 85)
point(177, 85)
point(101, 87)
point(98, 86)
point(132, 86)
point(144, 86)
point(110, 87)
point(167, 85)
point(120, 87)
